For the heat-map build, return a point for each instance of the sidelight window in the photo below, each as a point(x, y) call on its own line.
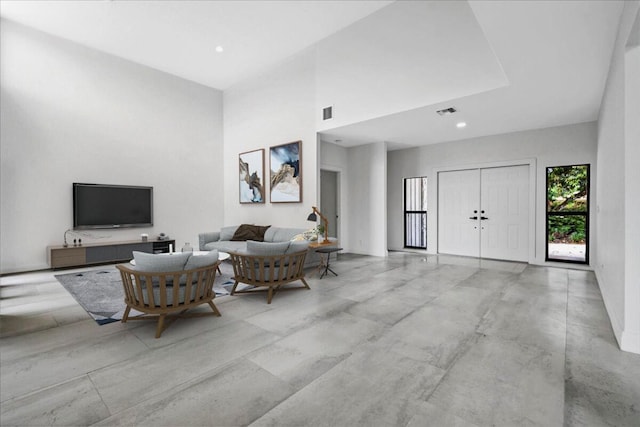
point(415, 213)
point(568, 214)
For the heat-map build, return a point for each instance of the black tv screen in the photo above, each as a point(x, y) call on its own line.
point(111, 206)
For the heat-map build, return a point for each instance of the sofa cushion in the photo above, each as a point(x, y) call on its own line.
point(160, 262)
point(226, 233)
point(250, 232)
point(204, 260)
point(267, 248)
point(281, 234)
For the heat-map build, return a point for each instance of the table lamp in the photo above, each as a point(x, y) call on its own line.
point(312, 217)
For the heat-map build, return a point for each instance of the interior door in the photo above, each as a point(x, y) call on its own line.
point(458, 204)
point(484, 213)
point(504, 234)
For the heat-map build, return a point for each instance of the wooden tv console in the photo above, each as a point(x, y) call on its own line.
point(100, 253)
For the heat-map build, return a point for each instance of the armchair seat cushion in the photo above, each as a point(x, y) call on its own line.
point(171, 263)
point(267, 248)
point(160, 263)
point(225, 246)
point(198, 261)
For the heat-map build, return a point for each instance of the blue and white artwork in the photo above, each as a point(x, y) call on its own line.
point(286, 175)
point(252, 176)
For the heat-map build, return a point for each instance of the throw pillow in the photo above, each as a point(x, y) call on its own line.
point(160, 263)
point(199, 261)
point(266, 248)
point(311, 235)
point(250, 232)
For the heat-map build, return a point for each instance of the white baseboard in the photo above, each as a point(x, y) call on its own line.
point(28, 268)
point(630, 341)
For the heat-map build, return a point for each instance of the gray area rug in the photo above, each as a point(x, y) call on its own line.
point(100, 291)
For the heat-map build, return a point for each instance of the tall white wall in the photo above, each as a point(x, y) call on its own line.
point(632, 196)
point(558, 146)
point(618, 189)
point(274, 108)
point(367, 194)
point(363, 195)
point(72, 114)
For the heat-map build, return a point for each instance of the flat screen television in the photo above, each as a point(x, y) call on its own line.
point(111, 206)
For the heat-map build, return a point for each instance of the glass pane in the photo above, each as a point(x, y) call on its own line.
point(409, 192)
point(567, 237)
point(567, 188)
point(416, 232)
point(424, 194)
point(415, 190)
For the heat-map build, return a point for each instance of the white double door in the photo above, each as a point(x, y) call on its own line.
point(484, 212)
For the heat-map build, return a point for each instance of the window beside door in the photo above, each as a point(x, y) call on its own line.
point(415, 213)
point(568, 214)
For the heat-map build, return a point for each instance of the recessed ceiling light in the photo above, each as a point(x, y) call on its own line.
point(460, 125)
point(219, 49)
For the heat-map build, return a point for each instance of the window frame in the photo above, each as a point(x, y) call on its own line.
point(407, 213)
point(586, 215)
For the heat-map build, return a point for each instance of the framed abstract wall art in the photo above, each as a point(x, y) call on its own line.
point(285, 164)
point(252, 176)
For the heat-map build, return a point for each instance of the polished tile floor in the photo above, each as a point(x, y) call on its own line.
point(408, 340)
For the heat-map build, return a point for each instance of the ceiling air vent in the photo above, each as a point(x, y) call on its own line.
point(446, 111)
point(327, 113)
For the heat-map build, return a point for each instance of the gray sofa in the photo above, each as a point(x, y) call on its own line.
point(221, 240)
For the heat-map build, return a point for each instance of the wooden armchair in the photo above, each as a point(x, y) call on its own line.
point(154, 293)
point(268, 271)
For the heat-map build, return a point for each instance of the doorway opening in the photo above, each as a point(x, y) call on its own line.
point(568, 214)
point(415, 213)
point(329, 200)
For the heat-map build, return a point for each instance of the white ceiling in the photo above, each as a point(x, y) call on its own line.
point(405, 56)
point(180, 37)
point(555, 54)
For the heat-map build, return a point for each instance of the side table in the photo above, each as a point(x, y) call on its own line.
point(327, 250)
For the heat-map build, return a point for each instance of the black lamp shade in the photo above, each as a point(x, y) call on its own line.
point(312, 217)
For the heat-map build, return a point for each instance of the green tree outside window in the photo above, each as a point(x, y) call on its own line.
point(567, 192)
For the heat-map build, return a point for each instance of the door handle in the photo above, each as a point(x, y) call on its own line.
point(473, 217)
point(483, 217)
